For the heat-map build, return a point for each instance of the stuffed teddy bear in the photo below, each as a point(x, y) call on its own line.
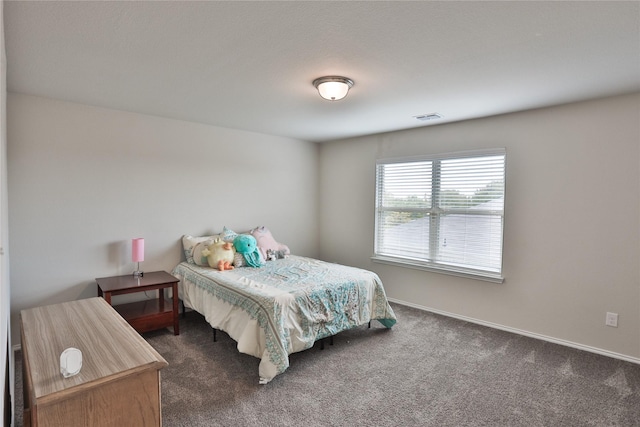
point(247, 246)
point(266, 242)
point(220, 254)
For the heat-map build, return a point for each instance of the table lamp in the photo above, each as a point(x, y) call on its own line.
point(137, 255)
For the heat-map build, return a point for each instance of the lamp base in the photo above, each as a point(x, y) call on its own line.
point(137, 272)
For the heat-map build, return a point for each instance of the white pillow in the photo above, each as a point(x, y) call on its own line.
point(193, 247)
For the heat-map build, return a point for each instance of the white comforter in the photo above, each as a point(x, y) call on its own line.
point(285, 306)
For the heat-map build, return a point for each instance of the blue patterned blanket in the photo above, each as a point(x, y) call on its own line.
point(306, 297)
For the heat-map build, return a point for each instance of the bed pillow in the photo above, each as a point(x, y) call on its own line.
point(228, 235)
point(193, 247)
point(238, 260)
point(266, 242)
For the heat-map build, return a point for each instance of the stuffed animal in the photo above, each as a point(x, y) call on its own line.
point(246, 245)
point(266, 242)
point(220, 254)
point(274, 255)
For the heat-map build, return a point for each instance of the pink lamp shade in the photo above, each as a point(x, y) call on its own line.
point(137, 249)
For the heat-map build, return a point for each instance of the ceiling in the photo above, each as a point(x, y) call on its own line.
point(249, 65)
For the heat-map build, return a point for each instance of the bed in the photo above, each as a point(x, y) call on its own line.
point(284, 306)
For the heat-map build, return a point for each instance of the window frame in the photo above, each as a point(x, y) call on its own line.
point(434, 213)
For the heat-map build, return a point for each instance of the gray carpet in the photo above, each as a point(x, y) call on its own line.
point(428, 370)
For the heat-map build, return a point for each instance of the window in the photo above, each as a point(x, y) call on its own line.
point(443, 213)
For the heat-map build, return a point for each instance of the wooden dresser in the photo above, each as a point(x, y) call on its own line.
point(119, 383)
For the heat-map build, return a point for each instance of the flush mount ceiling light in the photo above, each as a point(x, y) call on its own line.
point(333, 88)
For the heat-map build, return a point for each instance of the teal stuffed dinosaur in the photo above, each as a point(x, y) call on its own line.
point(247, 245)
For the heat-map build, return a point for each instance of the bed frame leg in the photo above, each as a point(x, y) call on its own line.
point(322, 342)
point(215, 338)
point(184, 311)
point(369, 324)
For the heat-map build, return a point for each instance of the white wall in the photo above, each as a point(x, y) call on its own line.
point(5, 295)
point(572, 233)
point(83, 181)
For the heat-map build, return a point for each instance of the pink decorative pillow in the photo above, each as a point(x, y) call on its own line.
point(266, 242)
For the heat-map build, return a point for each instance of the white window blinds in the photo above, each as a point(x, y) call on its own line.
point(442, 212)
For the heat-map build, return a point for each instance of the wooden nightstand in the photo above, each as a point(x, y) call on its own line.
point(147, 315)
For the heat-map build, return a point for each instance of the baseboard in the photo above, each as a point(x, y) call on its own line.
point(523, 332)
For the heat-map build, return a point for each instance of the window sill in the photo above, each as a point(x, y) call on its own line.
point(470, 274)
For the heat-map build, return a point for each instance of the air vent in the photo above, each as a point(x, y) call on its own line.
point(430, 116)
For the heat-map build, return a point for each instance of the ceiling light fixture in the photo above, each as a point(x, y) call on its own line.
point(333, 88)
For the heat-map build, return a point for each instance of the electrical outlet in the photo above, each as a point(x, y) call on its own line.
point(611, 320)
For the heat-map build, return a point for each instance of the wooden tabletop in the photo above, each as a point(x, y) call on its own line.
point(110, 347)
point(115, 283)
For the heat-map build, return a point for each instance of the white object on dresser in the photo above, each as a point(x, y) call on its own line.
point(70, 362)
